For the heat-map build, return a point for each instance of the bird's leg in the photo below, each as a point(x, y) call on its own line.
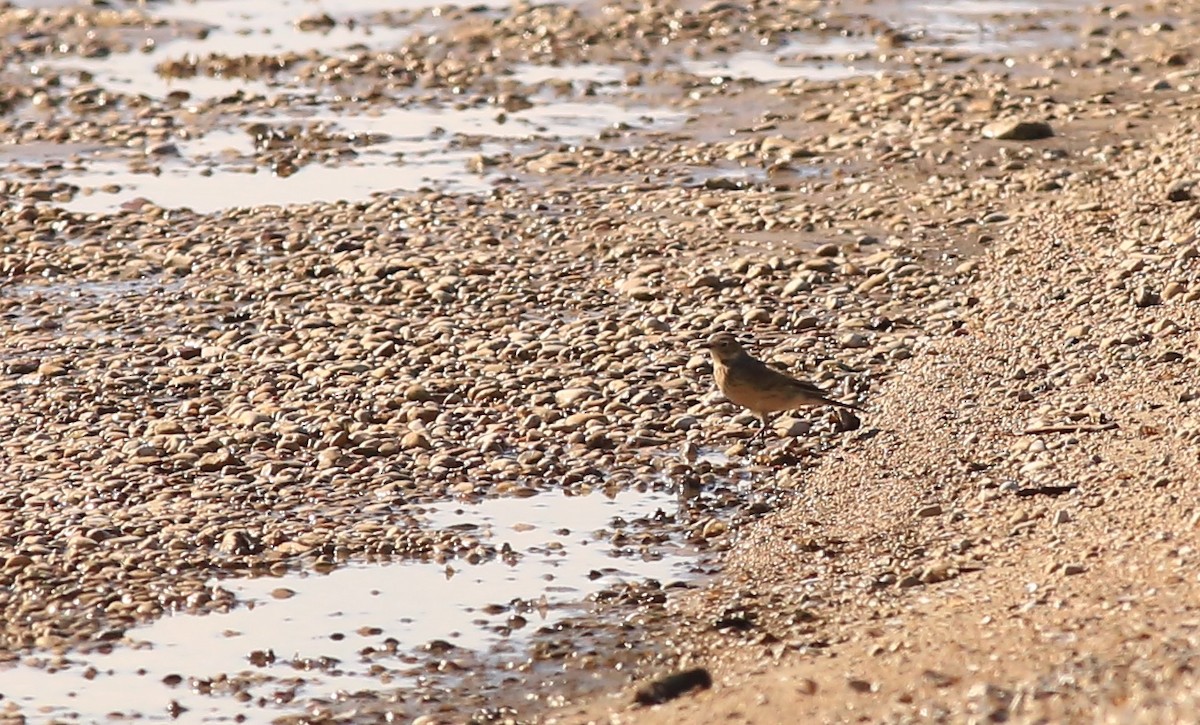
point(766, 424)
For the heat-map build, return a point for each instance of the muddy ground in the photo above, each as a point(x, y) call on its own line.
point(287, 314)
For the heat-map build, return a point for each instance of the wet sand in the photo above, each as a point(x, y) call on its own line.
point(349, 361)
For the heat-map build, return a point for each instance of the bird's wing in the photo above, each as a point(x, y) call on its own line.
point(806, 386)
point(803, 386)
point(772, 374)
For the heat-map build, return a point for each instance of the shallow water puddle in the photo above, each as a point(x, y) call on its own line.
point(559, 120)
point(75, 298)
point(982, 26)
point(415, 148)
point(177, 187)
point(260, 27)
point(992, 8)
point(359, 628)
point(713, 456)
point(769, 67)
point(811, 57)
point(972, 26)
point(577, 74)
point(89, 290)
point(236, 28)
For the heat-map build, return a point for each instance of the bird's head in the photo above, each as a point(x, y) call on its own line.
point(724, 347)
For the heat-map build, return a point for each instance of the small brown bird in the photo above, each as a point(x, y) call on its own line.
point(758, 387)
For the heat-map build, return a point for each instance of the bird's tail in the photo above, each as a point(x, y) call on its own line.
point(840, 404)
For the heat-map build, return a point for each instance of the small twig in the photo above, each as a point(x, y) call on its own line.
point(1081, 428)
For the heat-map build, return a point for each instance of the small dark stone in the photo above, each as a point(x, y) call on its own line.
point(672, 686)
point(1147, 297)
point(439, 646)
point(22, 367)
point(846, 421)
point(859, 685)
point(1180, 191)
point(940, 679)
point(724, 184)
point(740, 624)
point(261, 658)
point(1018, 130)
point(1044, 491)
point(109, 635)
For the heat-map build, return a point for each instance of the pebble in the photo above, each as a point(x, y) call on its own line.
point(1018, 130)
point(853, 340)
point(572, 396)
point(1180, 191)
point(788, 427)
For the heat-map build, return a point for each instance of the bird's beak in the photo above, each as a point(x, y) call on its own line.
point(703, 346)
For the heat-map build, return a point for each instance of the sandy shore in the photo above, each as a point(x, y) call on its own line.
point(995, 247)
point(1018, 541)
